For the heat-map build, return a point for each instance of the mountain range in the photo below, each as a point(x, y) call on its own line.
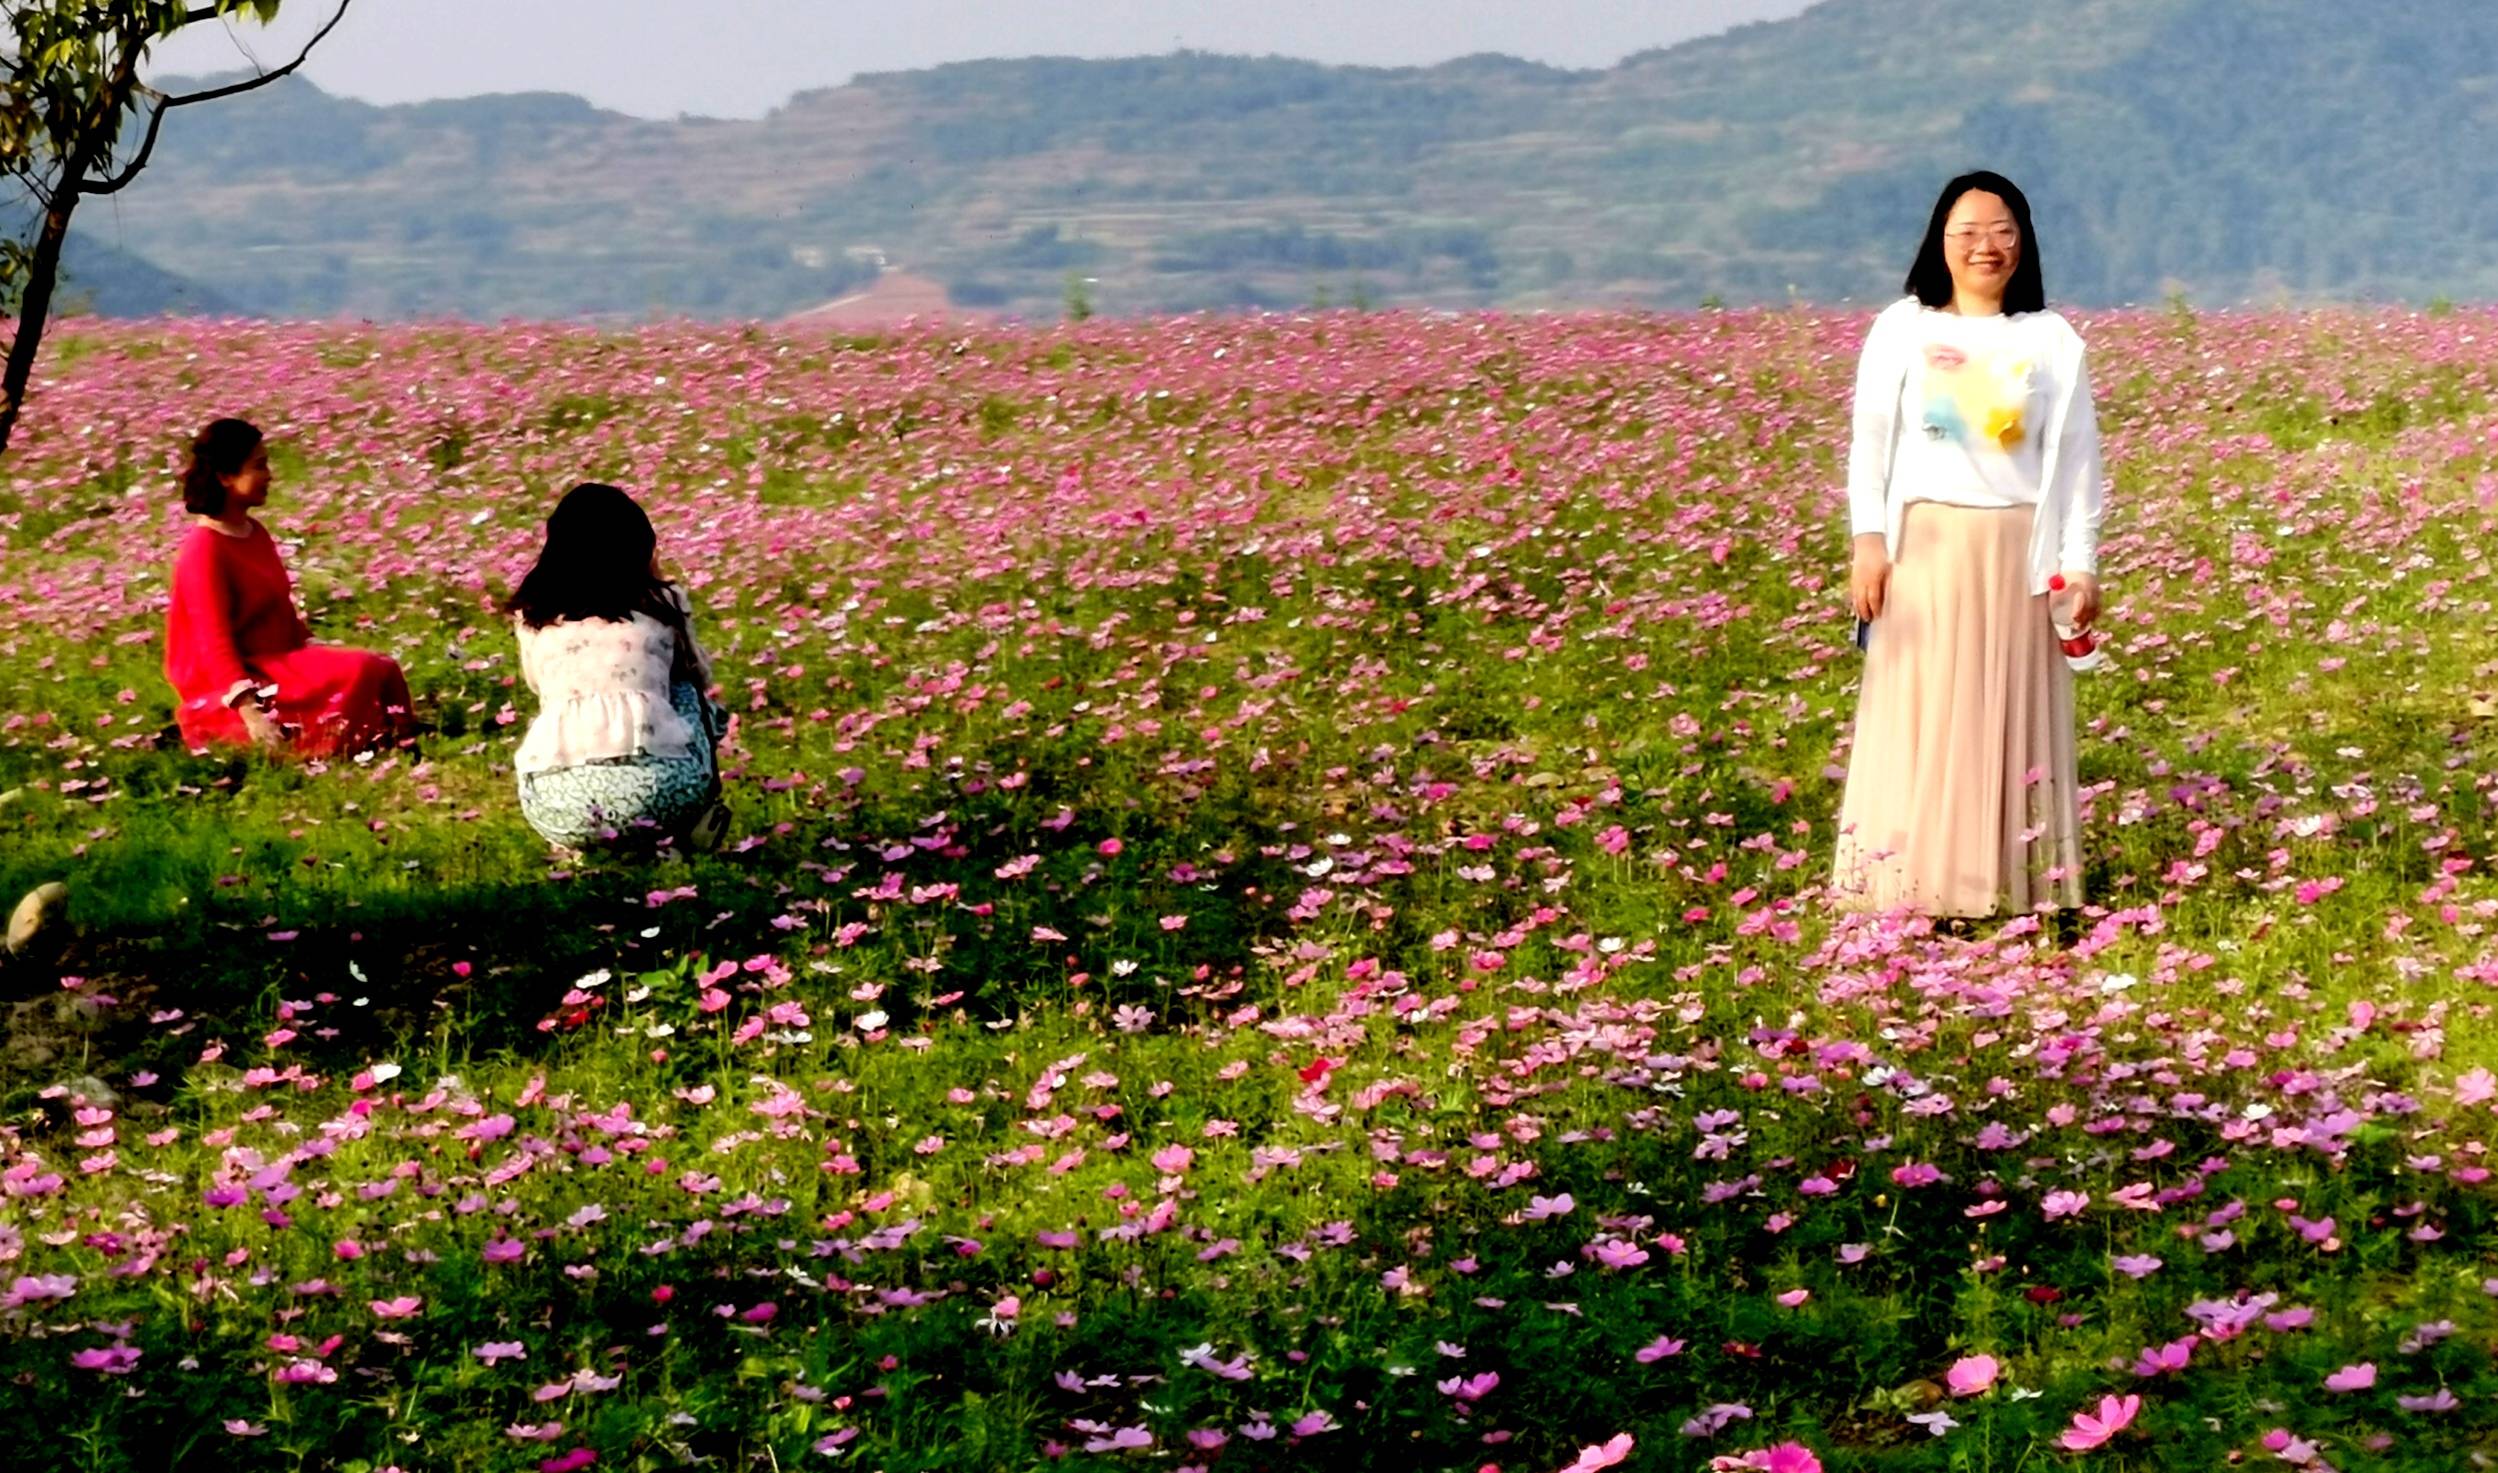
point(2273, 150)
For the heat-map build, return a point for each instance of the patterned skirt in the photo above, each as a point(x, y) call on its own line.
point(625, 798)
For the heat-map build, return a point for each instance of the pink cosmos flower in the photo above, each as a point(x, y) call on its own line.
point(1971, 1375)
point(1125, 1439)
point(1600, 1455)
point(1715, 1419)
point(305, 1372)
point(1616, 1253)
point(2161, 1360)
point(112, 1360)
point(2089, 1430)
point(396, 1309)
point(38, 1288)
point(2353, 1378)
point(1203, 1358)
point(1657, 1350)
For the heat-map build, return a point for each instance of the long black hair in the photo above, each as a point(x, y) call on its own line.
point(596, 564)
point(1930, 277)
point(217, 452)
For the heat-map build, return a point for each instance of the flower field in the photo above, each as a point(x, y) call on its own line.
point(1275, 922)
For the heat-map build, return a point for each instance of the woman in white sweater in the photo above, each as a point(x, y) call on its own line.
point(623, 742)
point(1974, 484)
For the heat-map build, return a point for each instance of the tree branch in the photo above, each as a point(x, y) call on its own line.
point(156, 119)
point(265, 78)
point(114, 185)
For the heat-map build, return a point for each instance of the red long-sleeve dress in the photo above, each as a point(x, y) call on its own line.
point(233, 624)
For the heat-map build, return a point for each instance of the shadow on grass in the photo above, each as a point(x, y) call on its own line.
point(461, 972)
point(202, 926)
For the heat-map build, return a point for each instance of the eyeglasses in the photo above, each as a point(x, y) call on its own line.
point(1966, 236)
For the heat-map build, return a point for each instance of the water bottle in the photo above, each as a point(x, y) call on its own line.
point(2080, 646)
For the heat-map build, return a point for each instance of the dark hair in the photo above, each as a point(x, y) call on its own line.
point(1930, 278)
point(216, 452)
point(596, 564)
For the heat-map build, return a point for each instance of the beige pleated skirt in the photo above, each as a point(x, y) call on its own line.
point(1961, 795)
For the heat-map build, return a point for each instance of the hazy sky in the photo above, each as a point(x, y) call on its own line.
point(740, 58)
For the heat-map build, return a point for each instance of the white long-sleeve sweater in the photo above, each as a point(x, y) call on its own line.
point(1978, 411)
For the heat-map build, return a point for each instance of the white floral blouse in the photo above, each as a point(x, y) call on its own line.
point(602, 688)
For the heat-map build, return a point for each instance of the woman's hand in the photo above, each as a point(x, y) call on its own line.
point(2080, 599)
point(265, 732)
point(1869, 580)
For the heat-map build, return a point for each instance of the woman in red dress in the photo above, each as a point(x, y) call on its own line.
point(243, 666)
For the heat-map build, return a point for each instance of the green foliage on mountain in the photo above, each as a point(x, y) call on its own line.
point(2276, 149)
point(99, 278)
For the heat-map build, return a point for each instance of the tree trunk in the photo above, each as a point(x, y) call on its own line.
point(43, 268)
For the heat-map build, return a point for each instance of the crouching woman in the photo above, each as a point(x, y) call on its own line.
point(624, 742)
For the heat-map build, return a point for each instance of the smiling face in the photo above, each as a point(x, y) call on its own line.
point(1981, 245)
point(248, 488)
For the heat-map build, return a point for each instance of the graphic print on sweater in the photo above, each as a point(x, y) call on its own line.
point(1976, 400)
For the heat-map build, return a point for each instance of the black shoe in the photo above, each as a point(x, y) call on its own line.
point(708, 829)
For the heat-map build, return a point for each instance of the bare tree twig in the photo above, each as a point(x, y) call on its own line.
point(156, 119)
